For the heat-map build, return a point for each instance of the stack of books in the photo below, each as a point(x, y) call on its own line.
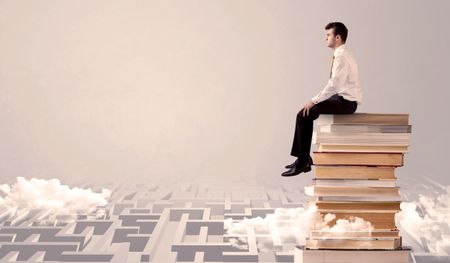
point(354, 176)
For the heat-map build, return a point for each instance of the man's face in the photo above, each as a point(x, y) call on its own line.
point(331, 40)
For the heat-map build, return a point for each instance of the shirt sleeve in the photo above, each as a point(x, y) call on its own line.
point(339, 73)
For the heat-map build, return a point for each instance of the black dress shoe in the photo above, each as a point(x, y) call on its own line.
point(298, 168)
point(289, 166)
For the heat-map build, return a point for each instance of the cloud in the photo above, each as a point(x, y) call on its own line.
point(344, 225)
point(289, 226)
point(50, 195)
point(427, 222)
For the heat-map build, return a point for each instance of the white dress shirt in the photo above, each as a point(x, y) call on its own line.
point(344, 78)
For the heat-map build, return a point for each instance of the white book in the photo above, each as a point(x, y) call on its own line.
point(355, 182)
point(352, 255)
point(362, 138)
point(361, 128)
point(357, 191)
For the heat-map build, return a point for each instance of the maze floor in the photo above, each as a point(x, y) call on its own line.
point(165, 221)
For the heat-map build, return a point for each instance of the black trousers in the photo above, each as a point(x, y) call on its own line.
point(336, 104)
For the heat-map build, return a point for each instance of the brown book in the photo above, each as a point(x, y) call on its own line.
point(353, 172)
point(364, 118)
point(354, 243)
point(373, 198)
point(351, 234)
point(368, 159)
point(386, 206)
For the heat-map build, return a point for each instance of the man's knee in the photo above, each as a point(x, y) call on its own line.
point(300, 116)
point(312, 114)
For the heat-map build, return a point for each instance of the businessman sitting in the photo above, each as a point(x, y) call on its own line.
point(341, 95)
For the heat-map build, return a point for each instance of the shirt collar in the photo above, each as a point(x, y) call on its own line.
point(339, 50)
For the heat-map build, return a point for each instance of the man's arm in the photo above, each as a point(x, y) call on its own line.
point(339, 73)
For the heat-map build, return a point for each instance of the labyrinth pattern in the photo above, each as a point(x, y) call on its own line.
point(167, 222)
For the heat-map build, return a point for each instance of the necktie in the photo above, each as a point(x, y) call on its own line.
point(331, 69)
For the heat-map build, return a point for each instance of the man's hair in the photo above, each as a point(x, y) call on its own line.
point(339, 29)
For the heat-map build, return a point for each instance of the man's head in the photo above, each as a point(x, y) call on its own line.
point(336, 34)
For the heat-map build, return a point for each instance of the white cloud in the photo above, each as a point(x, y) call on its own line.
point(289, 226)
point(344, 225)
point(430, 227)
point(50, 195)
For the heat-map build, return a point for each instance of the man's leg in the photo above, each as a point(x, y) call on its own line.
point(301, 146)
point(301, 127)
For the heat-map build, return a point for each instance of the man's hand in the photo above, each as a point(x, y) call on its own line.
point(307, 107)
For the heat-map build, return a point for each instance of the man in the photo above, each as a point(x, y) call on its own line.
point(341, 95)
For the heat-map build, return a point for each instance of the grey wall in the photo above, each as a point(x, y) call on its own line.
point(114, 89)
